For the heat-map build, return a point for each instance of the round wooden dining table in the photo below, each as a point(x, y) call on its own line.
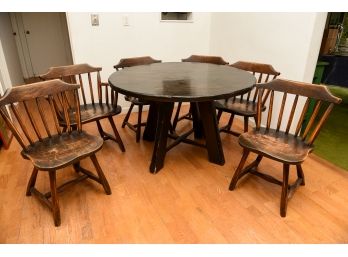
point(163, 84)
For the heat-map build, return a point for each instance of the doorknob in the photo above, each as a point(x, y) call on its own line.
point(27, 32)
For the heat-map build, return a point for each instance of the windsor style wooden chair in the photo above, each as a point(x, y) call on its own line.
point(36, 107)
point(280, 144)
point(245, 105)
point(130, 62)
point(202, 59)
point(105, 106)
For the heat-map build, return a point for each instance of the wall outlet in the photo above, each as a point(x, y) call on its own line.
point(95, 19)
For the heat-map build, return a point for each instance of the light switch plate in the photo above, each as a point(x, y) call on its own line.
point(95, 19)
point(125, 20)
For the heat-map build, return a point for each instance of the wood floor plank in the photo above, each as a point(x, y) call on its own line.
point(188, 201)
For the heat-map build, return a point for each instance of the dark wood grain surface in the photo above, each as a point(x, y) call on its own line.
point(131, 62)
point(200, 59)
point(181, 81)
point(162, 84)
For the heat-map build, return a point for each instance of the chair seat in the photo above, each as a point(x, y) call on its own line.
point(276, 145)
point(62, 150)
point(135, 100)
point(244, 107)
point(91, 112)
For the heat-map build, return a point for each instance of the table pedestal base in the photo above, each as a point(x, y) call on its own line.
point(204, 124)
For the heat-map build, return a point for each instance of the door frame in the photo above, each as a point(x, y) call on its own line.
point(2, 86)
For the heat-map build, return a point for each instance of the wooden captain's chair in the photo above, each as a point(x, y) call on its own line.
point(94, 108)
point(245, 105)
point(36, 108)
point(286, 141)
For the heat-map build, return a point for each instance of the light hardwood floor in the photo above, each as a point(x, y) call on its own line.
point(188, 201)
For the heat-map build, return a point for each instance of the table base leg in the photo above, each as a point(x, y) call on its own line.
point(158, 124)
point(164, 113)
point(196, 121)
point(151, 123)
point(212, 136)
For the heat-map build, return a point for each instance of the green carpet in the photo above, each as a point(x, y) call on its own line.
point(332, 142)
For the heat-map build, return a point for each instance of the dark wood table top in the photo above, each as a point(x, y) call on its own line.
point(181, 81)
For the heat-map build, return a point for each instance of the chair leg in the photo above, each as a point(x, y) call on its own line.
point(239, 169)
point(138, 131)
point(230, 122)
point(55, 202)
point(176, 117)
point(258, 160)
point(218, 116)
point(76, 167)
point(32, 181)
point(246, 124)
point(285, 188)
point(117, 135)
point(127, 116)
point(300, 174)
point(101, 175)
point(100, 129)
point(64, 129)
point(171, 130)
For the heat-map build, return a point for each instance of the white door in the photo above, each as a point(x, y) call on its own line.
point(47, 40)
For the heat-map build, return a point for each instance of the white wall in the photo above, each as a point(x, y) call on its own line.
point(106, 44)
point(288, 41)
point(9, 61)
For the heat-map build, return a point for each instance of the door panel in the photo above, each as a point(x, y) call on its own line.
point(22, 48)
point(45, 38)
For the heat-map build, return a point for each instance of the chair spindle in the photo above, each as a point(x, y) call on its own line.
point(293, 108)
point(82, 90)
point(312, 119)
point(42, 115)
point(304, 111)
point(90, 87)
point(50, 100)
point(269, 117)
point(320, 124)
point(280, 118)
point(32, 121)
point(21, 123)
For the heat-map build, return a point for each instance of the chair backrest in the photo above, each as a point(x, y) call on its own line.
point(324, 102)
point(205, 59)
point(35, 105)
point(263, 73)
point(134, 61)
point(88, 77)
